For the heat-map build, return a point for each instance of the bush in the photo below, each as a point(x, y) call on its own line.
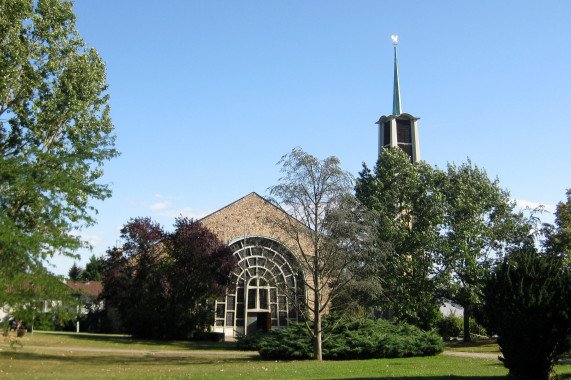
point(290, 343)
point(453, 326)
point(249, 342)
point(476, 328)
point(208, 336)
point(449, 327)
point(380, 339)
point(352, 340)
point(44, 321)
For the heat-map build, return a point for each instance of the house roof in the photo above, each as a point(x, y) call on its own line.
point(91, 288)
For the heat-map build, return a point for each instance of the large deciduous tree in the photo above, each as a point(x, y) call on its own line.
point(131, 278)
point(480, 226)
point(442, 232)
point(196, 270)
point(162, 284)
point(559, 239)
point(327, 230)
point(409, 214)
point(55, 133)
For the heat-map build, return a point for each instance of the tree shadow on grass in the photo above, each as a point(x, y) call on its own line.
point(114, 359)
point(173, 344)
point(428, 377)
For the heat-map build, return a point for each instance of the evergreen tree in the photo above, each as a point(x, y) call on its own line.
point(93, 269)
point(527, 302)
point(75, 272)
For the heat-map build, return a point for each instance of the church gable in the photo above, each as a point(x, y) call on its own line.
point(248, 216)
point(254, 300)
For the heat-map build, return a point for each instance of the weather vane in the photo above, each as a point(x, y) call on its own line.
point(395, 39)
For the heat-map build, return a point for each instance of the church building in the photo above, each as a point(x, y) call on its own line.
point(264, 254)
point(253, 302)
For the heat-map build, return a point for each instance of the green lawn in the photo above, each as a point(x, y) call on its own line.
point(477, 345)
point(28, 363)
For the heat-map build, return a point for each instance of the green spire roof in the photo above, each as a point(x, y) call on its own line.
point(397, 108)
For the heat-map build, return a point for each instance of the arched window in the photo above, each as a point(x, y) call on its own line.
point(253, 301)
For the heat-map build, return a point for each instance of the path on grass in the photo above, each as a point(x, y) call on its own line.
point(478, 355)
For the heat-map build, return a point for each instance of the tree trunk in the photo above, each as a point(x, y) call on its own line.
point(316, 307)
point(467, 312)
point(317, 338)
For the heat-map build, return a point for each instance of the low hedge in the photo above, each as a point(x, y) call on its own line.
point(352, 340)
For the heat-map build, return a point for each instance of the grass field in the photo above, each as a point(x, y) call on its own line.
point(68, 362)
point(488, 346)
point(118, 342)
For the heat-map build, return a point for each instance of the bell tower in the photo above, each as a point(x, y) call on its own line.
point(399, 129)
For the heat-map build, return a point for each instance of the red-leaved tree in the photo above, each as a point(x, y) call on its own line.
point(161, 285)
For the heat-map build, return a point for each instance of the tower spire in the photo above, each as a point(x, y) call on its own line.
point(399, 129)
point(397, 108)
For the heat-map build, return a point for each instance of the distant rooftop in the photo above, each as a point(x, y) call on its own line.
point(92, 288)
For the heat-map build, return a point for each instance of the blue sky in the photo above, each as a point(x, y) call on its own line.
point(206, 96)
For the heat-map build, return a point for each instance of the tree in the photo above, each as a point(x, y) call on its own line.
point(55, 134)
point(75, 272)
point(33, 289)
point(527, 302)
point(131, 278)
point(162, 284)
point(409, 214)
point(93, 269)
point(197, 269)
point(559, 240)
point(326, 231)
point(480, 225)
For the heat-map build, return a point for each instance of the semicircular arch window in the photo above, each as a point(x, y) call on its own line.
point(256, 297)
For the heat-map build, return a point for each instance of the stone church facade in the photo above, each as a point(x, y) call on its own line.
point(264, 257)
